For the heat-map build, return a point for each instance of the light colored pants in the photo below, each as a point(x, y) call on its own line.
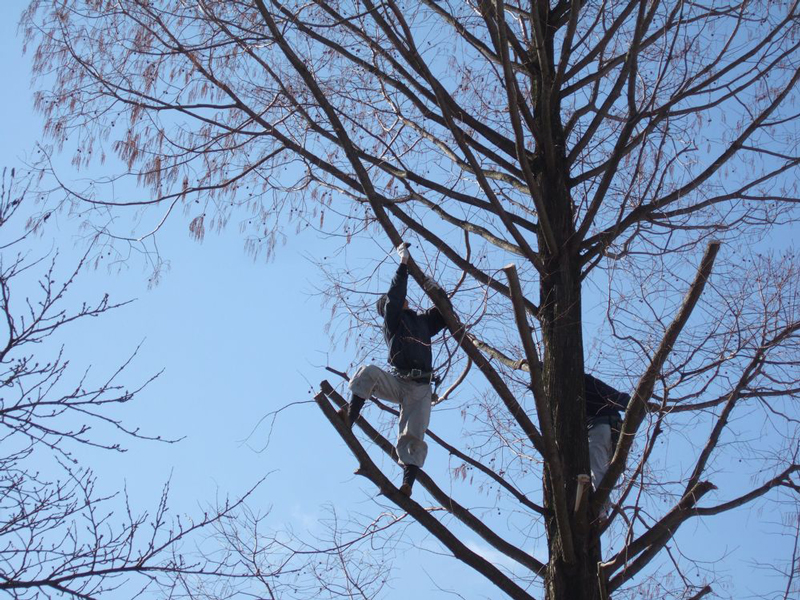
point(599, 449)
point(415, 408)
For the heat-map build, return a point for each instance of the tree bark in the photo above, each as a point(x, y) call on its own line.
point(563, 378)
point(563, 381)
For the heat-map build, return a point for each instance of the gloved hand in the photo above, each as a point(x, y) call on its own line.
point(403, 253)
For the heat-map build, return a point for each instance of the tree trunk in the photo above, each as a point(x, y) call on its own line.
point(563, 380)
point(563, 375)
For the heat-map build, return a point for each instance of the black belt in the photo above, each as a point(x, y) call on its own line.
point(416, 375)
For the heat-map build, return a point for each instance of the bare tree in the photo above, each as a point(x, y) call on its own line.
point(59, 535)
point(614, 144)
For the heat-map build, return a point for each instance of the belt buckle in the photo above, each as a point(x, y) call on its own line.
point(416, 373)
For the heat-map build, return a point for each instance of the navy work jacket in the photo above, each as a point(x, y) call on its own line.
point(408, 334)
point(602, 400)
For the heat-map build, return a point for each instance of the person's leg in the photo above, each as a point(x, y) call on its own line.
point(353, 409)
point(599, 450)
point(599, 454)
point(415, 415)
point(367, 381)
point(409, 477)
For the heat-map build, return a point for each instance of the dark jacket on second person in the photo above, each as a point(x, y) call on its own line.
point(408, 334)
point(602, 400)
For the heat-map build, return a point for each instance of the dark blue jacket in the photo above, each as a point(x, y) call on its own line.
point(602, 400)
point(408, 334)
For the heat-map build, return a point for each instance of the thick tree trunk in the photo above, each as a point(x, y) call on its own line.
point(563, 379)
point(563, 375)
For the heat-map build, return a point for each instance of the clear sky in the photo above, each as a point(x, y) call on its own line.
point(236, 338)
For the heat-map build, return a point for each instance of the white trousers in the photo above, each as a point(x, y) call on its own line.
point(415, 408)
point(599, 450)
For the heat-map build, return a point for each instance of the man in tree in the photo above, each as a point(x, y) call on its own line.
point(408, 337)
point(603, 406)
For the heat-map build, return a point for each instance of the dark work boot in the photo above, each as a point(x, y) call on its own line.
point(409, 477)
point(351, 411)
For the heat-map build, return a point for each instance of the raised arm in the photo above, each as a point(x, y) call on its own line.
point(395, 298)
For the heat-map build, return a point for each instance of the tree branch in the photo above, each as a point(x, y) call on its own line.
point(367, 468)
point(644, 390)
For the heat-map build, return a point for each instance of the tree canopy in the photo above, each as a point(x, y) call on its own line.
point(646, 147)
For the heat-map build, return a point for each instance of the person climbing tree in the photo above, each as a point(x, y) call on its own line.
point(408, 337)
point(603, 406)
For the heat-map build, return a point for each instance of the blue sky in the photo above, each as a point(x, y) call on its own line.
point(236, 338)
